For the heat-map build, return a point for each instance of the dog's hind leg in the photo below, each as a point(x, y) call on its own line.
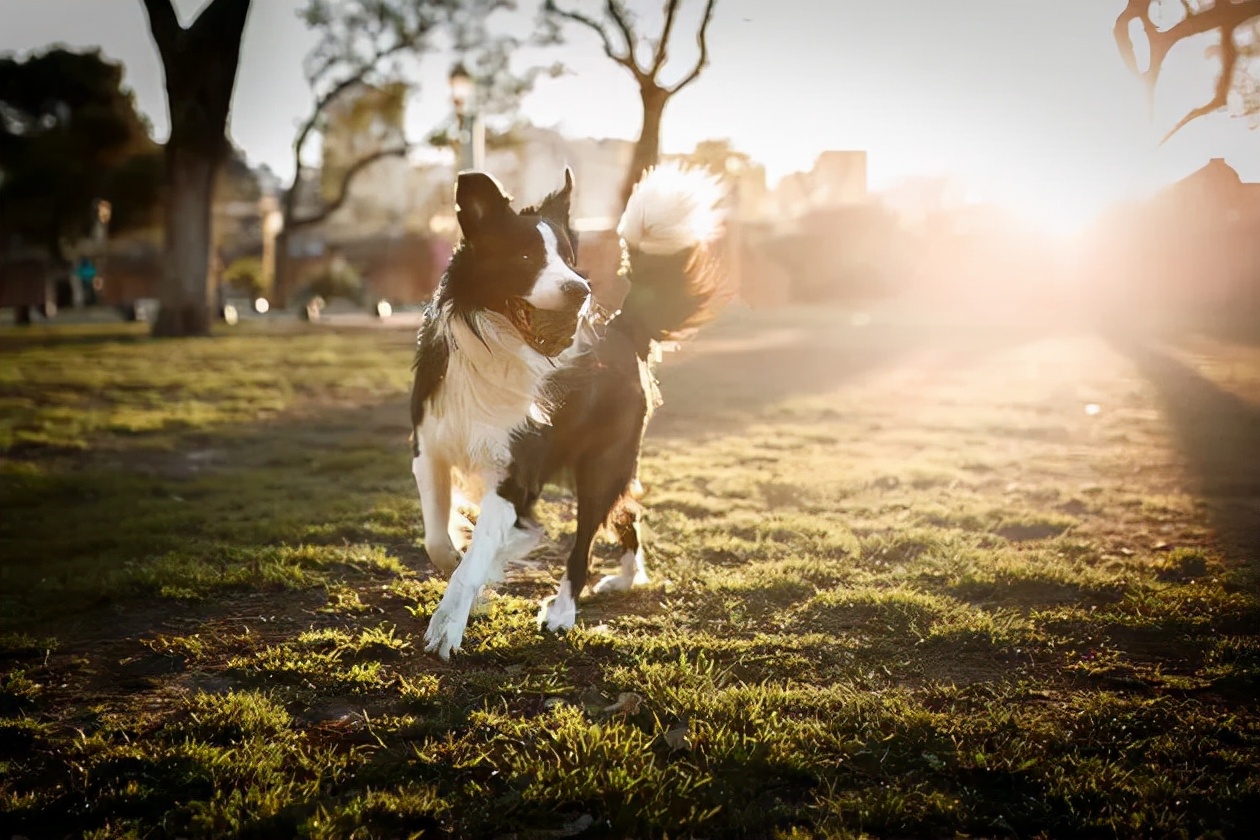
point(600, 482)
point(625, 522)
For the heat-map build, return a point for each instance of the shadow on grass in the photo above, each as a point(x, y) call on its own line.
point(733, 375)
point(103, 538)
point(1218, 433)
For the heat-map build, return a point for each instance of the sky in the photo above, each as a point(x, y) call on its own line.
point(1025, 102)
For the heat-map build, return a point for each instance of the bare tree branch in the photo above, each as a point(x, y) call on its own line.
point(354, 78)
point(617, 12)
point(343, 188)
point(315, 73)
point(626, 60)
point(1135, 10)
point(320, 104)
point(309, 125)
point(654, 95)
point(388, 37)
point(662, 46)
point(1224, 16)
point(703, 42)
point(1225, 81)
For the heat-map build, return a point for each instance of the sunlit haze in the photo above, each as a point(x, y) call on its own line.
point(1026, 104)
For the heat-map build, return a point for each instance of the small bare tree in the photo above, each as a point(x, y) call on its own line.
point(362, 51)
point(645, 57)
point(1237, 23)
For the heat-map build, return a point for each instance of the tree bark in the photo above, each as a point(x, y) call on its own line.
point(647, 150)
point(185, 304)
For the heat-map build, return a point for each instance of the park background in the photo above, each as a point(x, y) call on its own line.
point(954, 512)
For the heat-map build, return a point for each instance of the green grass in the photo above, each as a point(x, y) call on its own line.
point(902, 584)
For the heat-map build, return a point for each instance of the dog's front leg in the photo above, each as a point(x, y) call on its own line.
point(494, 534)
point(433, 481)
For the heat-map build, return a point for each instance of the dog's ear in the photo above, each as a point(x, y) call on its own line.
point(556, 205)
point(478, 199)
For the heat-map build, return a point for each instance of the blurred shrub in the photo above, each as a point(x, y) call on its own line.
point(338, 280)
point(245, 277)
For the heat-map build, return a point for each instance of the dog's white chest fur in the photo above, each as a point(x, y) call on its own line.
point(493, 384)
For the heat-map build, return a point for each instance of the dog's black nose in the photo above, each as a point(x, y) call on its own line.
point(575, 291)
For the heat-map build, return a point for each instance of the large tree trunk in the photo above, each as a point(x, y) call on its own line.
point(647, 151)
point(185, 303)
point(200, 66)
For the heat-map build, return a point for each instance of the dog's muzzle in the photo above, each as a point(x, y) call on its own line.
point(549, 331)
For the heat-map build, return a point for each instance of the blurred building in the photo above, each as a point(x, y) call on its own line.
point(837, 179)
point(924, 202)
point(826, 238)
point(840, 179)
point(530, 164)
point(1189, 256)
point(399, 212)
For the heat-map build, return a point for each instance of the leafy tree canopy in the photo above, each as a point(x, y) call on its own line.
point(70, 135)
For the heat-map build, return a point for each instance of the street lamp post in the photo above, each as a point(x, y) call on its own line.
point(472, 138)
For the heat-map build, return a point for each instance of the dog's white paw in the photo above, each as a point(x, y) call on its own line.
point(613, 583)
point(446, 627)
point(632, 574)
point(444, 557)
point(559, 612)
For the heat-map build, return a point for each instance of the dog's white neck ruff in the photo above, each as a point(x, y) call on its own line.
point(494, 383)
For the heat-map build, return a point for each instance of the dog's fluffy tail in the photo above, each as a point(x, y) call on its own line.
point(671, 227)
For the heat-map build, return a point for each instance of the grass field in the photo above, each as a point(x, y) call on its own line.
point(908, 580)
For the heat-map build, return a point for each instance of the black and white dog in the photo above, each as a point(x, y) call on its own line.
point(519, 380)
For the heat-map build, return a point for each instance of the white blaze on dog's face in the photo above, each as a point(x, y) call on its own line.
point(557, 285)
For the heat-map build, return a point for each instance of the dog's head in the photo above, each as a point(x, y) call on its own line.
point(520, 265)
